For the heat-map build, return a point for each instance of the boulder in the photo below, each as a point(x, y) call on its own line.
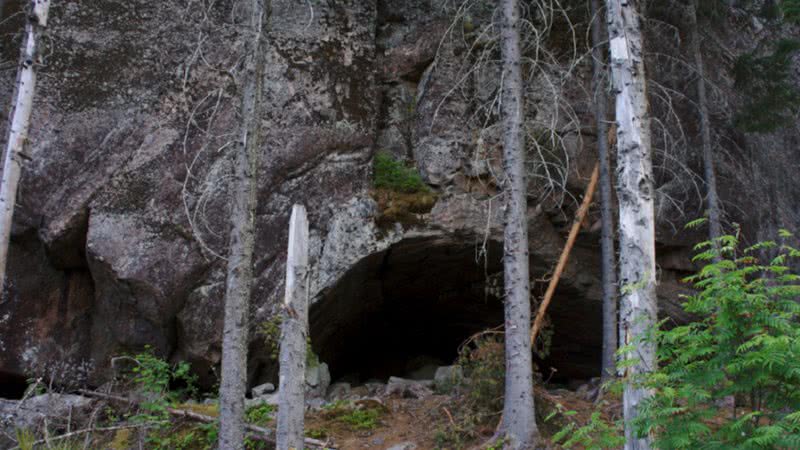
point(446, 377)
point(270, 399)
point(58, 410)
point(263, 389)
point(338, 391)
point(403, 446)
point(318, 378)
point(401, 387)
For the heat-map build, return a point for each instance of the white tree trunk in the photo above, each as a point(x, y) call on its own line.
point(519, 421)
point(294, 332)
point(239, 280)
point(636, 212)
point(20, 123)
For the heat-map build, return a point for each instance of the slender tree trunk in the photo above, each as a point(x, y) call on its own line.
point(242, 238)
point(20, 123)
point(712, 199)
point(294, 332)
point(635, 193)
point(607, 257)
point(519, 422)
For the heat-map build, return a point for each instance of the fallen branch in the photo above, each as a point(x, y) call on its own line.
point(259, 433)
point(562, 261)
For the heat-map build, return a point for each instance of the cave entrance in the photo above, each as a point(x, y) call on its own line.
point(12, 387)
point(406, 310)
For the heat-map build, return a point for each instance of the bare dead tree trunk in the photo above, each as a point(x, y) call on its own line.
point(519, 422)
point(712, 199)
point(580, 216)
point(294, 332)
point(242, 238)
point(635, 193)
point(607, 256)
point(20, 123)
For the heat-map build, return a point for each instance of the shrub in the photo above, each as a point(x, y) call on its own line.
point(393, 175)
point(154, 377)
point(361, 419)
point(260, 414)
point(596, 434)
point(479, 393)
point(731, 379)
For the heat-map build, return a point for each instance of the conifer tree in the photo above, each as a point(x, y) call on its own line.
point(519, 421)
point(609, 277)
point(239, 280)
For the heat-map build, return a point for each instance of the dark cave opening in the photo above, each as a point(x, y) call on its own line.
point(406, 310)
point(12, 386)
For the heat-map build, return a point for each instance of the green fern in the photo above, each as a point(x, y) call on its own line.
point(745, 345)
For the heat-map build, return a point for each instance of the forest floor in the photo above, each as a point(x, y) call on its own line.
point(438, 422)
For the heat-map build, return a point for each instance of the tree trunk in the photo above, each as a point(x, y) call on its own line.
point(242, 239)
point(519, 422)
point(635, 193)
point(294, 332)
point(607, 257)
point(20, 123)
point(712, 200)
point(580, 216)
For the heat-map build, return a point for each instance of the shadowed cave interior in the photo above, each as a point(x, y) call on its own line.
point(406, 310)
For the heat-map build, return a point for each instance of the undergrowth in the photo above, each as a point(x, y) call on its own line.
point(731, 378)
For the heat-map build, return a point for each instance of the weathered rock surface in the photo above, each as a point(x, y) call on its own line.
point(400, 387)
point(57, 410)
point(120, 231)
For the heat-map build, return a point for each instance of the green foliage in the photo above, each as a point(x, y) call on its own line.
point(393, 175)
point(743, 350)
point(164, 385)
point(361, 419)
point(317, 433)
point(260, 414)
point(153, 376)
point(357, 416)
point(270, 331)
point(791, 10)
point(771, 98)
point(484, 368)
point(203, 436)
point(25, 438)
point(596, 434)
point(480, 392)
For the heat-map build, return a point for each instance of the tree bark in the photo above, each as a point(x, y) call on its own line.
point(635, 193)
point(239, 280)
point(20, 123)
point(607, 256)
point(712, 199)
point(294, 332)
point(519, 422)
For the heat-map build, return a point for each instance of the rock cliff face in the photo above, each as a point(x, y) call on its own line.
point(120, 230)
